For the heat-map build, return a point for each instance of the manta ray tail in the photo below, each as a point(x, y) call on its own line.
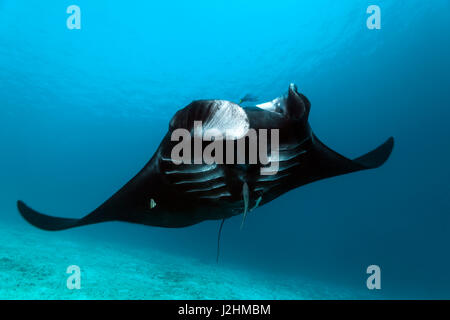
point(45, 222)
point(218, 240)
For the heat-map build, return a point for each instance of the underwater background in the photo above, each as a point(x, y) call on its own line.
point(82, 111)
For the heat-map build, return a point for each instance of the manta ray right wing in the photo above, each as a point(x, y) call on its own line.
point(312, 161)
point(307, 159)
point(330, 163)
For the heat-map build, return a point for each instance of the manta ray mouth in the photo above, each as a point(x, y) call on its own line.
point(280, 104)
point(277, 105)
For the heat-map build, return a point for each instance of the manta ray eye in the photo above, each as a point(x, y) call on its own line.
point(152, 203)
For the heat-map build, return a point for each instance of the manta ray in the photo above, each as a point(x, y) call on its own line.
point(166, 193)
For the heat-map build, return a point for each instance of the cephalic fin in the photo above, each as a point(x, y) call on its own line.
point(245, 195)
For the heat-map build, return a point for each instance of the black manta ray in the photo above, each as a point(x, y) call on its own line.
point(169, 194)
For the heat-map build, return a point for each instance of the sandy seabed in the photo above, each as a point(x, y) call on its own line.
point(33, 265)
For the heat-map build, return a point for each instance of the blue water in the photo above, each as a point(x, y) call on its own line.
point(81, 111)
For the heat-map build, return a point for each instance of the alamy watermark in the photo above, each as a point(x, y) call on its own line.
point(74, 20)
point(374, 280)
point(221, 149)
point(374, 20)
point(74, 280)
